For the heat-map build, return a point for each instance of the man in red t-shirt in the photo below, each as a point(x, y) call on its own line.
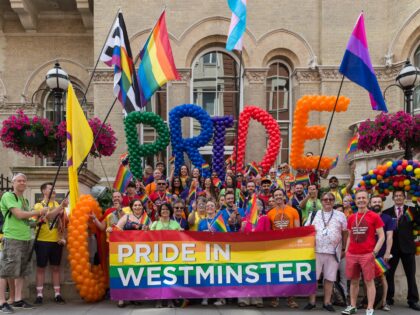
point(361, 250)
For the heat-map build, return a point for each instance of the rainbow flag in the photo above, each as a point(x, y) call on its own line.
point(205, 166)
point(217, 265)
point(230, 160)
point(335, 162)
point(218, 224)
point(144, 198)
point(301, 178)
point(409, 214)
point(168, 196)
point(253, 210)
point(252, 168)
point(381, 265)
point(145, 220)
point(171, 160)
point(157, 63)
point(123, 178)
point(117, 53)
point(352, 146)
point(241, 200)
point(217, 182)
point(357, 67)
point(193, 191)
point(124, 159)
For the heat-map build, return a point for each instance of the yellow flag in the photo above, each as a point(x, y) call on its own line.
point(79, 142)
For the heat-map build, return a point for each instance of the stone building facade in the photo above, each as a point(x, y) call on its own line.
point(291, 48)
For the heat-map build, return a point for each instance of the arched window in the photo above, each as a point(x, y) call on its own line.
point(416, 96)
point(278, 98)
point(215, 87)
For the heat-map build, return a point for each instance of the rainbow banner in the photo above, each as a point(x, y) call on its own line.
point(150, 265)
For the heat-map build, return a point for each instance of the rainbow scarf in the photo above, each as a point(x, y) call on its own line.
point(218, 224)
point(145, 220)
point(352, 146)
point(122, 179)
point(157, 63)
point(409, 214)
point(253, 210)
point(381, 265)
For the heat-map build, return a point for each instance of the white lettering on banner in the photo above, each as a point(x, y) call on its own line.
point(124, 254)
point(151, 276)
point(240, 274)
point(219, 250)
point(201, 274)
point(144, 254)
point(165, 252)
point(188, 249)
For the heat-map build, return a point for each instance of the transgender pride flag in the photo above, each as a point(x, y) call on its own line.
point(357, 67)
point(237, 24)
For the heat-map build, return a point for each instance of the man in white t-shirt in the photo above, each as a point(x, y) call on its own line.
point(331, 235)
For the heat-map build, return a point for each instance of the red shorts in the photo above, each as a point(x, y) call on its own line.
point(364, 263)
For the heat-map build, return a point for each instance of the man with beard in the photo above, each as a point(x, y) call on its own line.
point(298, 196)
point(376, 205)
point(265, 192)
point(339, 194)
point(232, 215)
point(403, 247)
point(361, 249)
point(311, 203)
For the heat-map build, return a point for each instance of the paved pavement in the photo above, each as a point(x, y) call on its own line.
point(108, 307)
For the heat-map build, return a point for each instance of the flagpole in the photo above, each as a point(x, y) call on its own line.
point(328, 130)
point(238, 110)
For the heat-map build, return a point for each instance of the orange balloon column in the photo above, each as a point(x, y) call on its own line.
point(302, 132)
point(90, 280)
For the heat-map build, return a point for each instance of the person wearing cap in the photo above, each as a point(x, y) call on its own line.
point(265, 192)
point(130, 194)
point(334, 189)
point(14, 263)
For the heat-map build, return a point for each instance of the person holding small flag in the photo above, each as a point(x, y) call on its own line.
point(334, 189)
point(310, 204)
point(232, 215)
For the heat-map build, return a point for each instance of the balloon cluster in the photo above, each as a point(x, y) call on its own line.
point(302, 132)
point(137, 151)
point(272, 129)
point(400, 174)
point(90, 280)
point(219, 128)
point(191, 145)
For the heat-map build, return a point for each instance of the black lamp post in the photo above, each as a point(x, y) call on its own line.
point(57, 80)
point(407, 80)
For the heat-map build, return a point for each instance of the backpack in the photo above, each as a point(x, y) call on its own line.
point(8, 214)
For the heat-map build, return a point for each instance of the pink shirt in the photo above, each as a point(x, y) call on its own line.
point(263, 225)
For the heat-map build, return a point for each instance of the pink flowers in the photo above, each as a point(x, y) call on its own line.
point(105, 143)
point(386, 128)
point(38, 137)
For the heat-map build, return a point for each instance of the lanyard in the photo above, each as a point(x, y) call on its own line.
point(323, 218)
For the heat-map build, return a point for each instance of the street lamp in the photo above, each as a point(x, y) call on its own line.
point(407, 80)
point(57, 80)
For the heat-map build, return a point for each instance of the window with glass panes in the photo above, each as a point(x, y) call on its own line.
point(216, 89)
point(416, 96)
point(279, 103)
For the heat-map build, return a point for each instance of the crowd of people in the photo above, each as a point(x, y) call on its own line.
point(352, 228)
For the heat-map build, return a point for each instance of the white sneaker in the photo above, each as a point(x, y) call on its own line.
point(370, 312)
point(204, 302)
point(219, 302)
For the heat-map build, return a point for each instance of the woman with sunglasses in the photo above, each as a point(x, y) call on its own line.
point(180, 214)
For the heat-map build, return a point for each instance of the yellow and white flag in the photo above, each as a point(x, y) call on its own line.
point(79, 142)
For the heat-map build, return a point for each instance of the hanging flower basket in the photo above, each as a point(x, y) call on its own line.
point(380, 133)
point(38, 137)
point(29, 136)
point(105, 143)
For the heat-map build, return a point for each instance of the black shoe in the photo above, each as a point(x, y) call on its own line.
point(415, 306)
point(59, 299)
point(328, 307)
point(6, 308)
point(390, 301)
point(22, 304)
point(309, 306)
point(38, 300)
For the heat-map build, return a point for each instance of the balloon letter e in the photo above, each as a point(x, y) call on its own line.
point(302, 132)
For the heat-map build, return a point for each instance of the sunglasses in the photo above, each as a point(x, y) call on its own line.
point(178, 207)
point(160, 184)
point(328, 199)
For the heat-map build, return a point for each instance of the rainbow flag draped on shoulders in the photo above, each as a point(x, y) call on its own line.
point(157, 63)
point(117, 53)
point(357, 67)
